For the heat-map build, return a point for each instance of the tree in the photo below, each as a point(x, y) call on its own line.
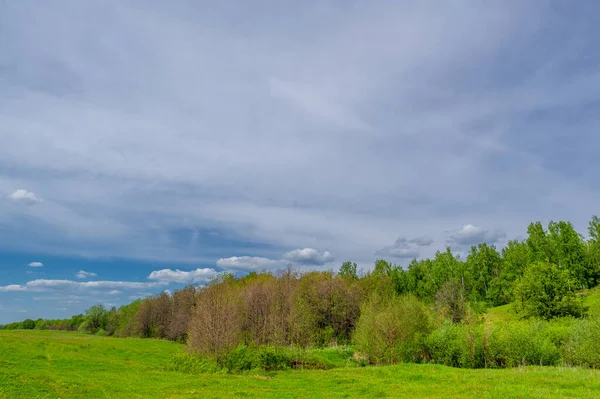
point(28, 324)
point(547, 291)
point(569, 252)
point(348, 270)
point(450, 299)
point(96, 317)
point(483, 265)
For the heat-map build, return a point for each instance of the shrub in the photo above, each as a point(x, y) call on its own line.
point(392, 331)
point(582, 347)
point(190, 364)
point(84, 327)
point(520, 344)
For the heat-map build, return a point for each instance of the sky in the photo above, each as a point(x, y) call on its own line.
point(146, 145)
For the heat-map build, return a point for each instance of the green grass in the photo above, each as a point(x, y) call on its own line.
point(507, 313)
point(44, 364)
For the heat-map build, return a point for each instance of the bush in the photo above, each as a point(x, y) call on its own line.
point(190, 364)
point(392, 331)
point(521, 344)
point(582, 347)
point(84, 327)
point(101, 332)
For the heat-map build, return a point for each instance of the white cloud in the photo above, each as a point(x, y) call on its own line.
point(472, 235)
point(114, 292)
point(305, 257)
point(12, 288)
point(83, 274)
point(36, 264)
point(41, 285)
point(248, 262)
point(308, 256)
point(25, 197)
point(180, 276)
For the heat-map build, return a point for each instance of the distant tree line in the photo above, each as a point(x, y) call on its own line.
point(390, 313)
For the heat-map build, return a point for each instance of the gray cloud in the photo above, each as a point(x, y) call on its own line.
point(422, 241)
point(305, 131)
point(402, 248)
point(307, 256)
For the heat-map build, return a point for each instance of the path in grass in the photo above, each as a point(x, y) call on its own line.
point(44, 364)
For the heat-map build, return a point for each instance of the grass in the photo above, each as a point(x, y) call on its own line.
point(47, 364)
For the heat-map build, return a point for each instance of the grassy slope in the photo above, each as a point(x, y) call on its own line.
point(506, 312)
point(43, 364)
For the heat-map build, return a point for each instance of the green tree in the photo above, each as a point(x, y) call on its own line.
point(569, 251)
point(546, 291)
point(514, 262)
point(96, 317)
point(593, 250)
point(28, 324)
point(348, 270)
point(483, 265)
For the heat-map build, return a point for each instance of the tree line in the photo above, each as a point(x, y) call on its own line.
point(389, 314)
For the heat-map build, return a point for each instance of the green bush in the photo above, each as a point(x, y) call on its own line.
point(191, 364)
point(84, 327)
point(456, 345)
point(393, 330)
point(520, 344)
point(582, 347)
point(101, 332)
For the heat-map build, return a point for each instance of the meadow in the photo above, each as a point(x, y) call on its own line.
point(56, 364)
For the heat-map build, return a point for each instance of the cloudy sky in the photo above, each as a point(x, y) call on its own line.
point(148, 144)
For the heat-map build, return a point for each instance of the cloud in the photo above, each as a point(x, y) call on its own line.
point(349, 124)
point(401, 249)
point(114, 292)
point(307, 256)
point(12, 288)
point(83, 274)
point(36, 264)
point(182, 277)
point(41, 285)
point(422, 241)
point(25, 197)
point(472, 235)
point(248, 262)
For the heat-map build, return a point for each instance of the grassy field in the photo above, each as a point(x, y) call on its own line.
point(45, 364)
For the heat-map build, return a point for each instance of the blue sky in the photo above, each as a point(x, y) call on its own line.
point(153, 144)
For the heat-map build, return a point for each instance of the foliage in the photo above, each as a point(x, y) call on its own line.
point(28, 324)
point(546, 291)
point(391, 331)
